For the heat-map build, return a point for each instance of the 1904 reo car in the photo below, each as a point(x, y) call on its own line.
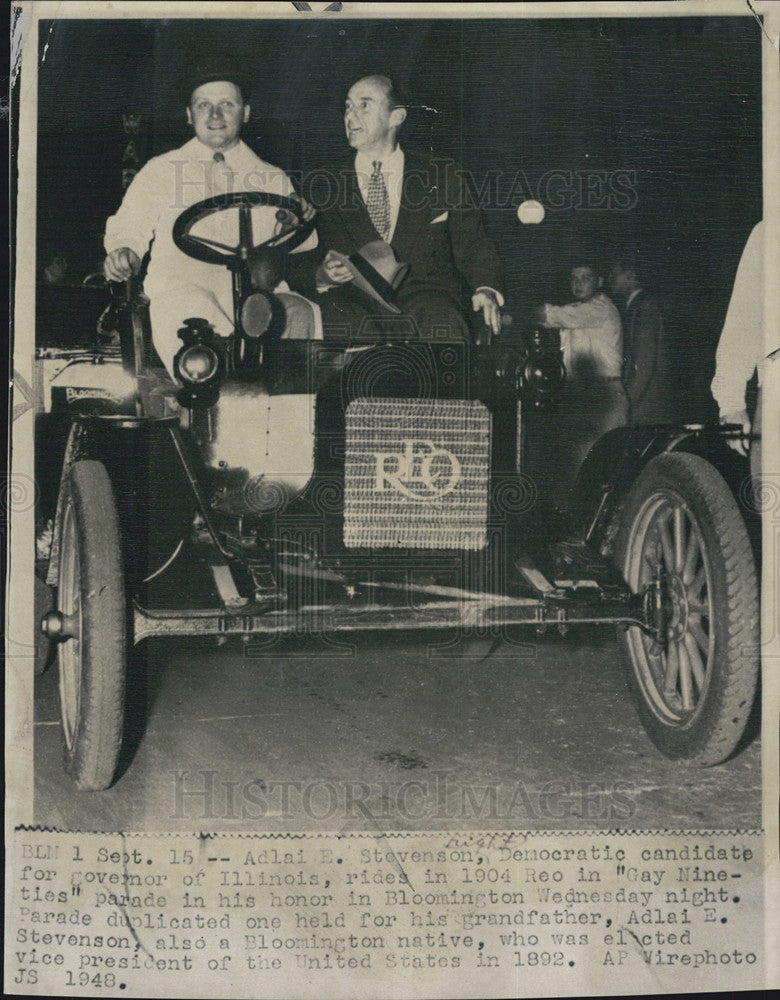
point(282, 486)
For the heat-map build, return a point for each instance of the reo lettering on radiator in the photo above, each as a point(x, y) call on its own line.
point(420, 471)
point(416, 474)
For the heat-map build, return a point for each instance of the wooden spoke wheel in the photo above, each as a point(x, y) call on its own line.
point(694, 685)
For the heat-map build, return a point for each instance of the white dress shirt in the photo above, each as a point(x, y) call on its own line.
point(590, 331)
point(632, 296)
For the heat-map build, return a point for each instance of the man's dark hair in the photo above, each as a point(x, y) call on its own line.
point(587, 260)
point(631, 260)
point(396, 92)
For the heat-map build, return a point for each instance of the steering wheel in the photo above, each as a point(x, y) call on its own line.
point(294, 229)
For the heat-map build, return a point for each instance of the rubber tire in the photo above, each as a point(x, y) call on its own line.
point(710, 733)
point(94, 666)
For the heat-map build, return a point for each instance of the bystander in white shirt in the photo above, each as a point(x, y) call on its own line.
point(591, 333)
point(741, 348)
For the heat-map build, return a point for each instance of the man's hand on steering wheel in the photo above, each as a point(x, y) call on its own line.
point(121, 264)
point(307, 211)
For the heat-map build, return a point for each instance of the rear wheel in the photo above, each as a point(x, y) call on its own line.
point(694, 690)
point(92, 654)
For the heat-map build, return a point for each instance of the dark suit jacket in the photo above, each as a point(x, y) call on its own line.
point(453, 257)
point(647, 368)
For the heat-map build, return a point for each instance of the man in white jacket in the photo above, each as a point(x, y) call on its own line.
point(741, 348)
point(215, 161)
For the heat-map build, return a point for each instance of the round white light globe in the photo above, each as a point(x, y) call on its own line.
point(530, 212)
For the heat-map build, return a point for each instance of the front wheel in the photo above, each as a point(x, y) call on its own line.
point(92, 653)
point(682, 529)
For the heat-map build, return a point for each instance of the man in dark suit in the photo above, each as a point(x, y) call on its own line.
point(646, 369)
point(421, 207)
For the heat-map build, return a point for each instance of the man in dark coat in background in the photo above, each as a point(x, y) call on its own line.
point(646, 370)
point(418, 205)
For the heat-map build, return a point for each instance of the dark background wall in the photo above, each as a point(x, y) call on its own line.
point(574, 112)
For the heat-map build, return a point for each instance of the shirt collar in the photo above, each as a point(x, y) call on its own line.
point(392, 164)
point(202, 151)
point(632, 296)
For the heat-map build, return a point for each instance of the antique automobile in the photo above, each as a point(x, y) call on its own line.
point(282, 486)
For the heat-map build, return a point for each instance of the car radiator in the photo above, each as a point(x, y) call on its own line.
point(416, 474)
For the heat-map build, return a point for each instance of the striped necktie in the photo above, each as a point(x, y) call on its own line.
point(378, 202)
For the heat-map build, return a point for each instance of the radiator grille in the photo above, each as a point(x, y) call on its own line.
point(416, 474)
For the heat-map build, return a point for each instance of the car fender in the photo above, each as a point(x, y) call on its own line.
point(616, 460)
point(154, 499)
